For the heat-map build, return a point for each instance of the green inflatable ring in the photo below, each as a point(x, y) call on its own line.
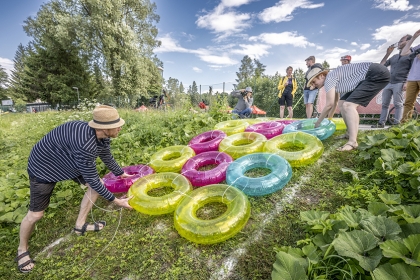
point(240, 144)
point(171, 159)
point(311, 148)
point(158, 205)
point(218, 229)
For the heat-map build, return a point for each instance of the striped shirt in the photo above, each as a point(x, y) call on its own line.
point(347, 77)
point(69, 151)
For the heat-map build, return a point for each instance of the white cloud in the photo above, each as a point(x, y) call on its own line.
point(254, 51)
point(364, 46)
point(197, 70)
point(353, 44)
point(169, 45)
point(398, 5)
point(284, 38)
point(284, 9)
point(235, 3)
point(7, 64)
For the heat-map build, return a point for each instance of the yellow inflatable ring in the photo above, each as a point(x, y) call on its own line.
point(339, 123)
point(232, 126)
point(214, 230)
point(171, 159)
point(240, 144)
point(312, 148)
point(158, 205)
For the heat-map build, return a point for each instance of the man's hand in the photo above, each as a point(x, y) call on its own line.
point(404, 86)
point(316, 124)
point(123, 201)
point(125, 175)
point(390, 49)
point(417, 34)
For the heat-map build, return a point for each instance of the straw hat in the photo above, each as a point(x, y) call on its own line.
point(314, 73)
point(105, 117)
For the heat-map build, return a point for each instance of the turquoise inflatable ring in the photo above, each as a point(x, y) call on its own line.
point(325, 130)
point(280, 175)
point(214, 230)
point(310, 148)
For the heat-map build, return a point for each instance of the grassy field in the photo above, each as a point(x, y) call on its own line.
point(138, 246)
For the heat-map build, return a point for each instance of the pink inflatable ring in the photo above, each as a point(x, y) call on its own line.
point(207, 141)
point(116, 184)
point(268, 129)
point(209, 177)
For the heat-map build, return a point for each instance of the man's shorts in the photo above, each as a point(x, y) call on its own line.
point(377, 77)
point(41, 191)
point(309, 96)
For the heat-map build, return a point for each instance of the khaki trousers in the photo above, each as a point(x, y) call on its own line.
point(413, 88)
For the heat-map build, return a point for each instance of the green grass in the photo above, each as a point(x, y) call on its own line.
point(139, 246)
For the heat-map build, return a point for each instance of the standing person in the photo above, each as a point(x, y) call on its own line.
point(309, 94)
point(69, 151)
point(357, 84)
point(345, 59)
point(413, 79)
point(245, 100)
point(287, 88)
point(400, 66)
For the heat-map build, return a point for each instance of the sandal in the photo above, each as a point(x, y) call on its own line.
point(22, 265)
point(352, 147)
point(81, 231)
point(342, 136)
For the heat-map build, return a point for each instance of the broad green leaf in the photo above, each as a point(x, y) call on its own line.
point(378, 208)
point(409, 229)
point(287, 267)
point(7, 218)
point(382, 227)
point(322, 241)
point(360, 245)
point(391, 155)
point(313, 217)
point(311, 252)
point(390, 199)
point(399, 143)
point(351, 218)
point(411, 213)
point(371, 141)
point(22, 193)
point(399, 271)
point(405, 168)
point(351, 172)
point(412, 242)
point(394, 249)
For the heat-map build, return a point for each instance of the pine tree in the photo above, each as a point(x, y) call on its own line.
point(246, 70)
point(259, 68)
point(181, 88)
point(3, 83)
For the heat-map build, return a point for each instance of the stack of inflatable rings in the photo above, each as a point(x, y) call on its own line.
point(116, 184)
point(339, 123)
point(214, 230)
point(207, 141)
point(268, 129)
point(325, 130)
point(240, 144)
point(311, 148)
point(158, 205)
point(232, 126)
point(281, 172)
point(213, 176)
point(171, 159)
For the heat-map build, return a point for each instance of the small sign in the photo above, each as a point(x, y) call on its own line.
point(8, 102)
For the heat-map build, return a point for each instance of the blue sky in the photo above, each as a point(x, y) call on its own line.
point(205, 40)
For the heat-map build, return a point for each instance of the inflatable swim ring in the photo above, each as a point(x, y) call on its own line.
point(339, 123)
point(286, 121)
point(207, 141)
point(281, 172)
point(218, 229)
point(241, 144)
point(116, 184)
point(213, 176)
point(171, 159)
point(311, 148)
point(325, 130)
point(232, 126)
point(158, 205)
point(268, 129)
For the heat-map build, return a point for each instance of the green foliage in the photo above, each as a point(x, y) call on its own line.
point(356, 244)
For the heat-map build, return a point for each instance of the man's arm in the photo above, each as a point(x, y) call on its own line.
point(406, 50)
point(389, 50)
point(236, 93)
point(331, 105)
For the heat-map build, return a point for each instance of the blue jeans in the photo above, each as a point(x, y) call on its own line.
point(392, 90)
point(309, 96)
point(244, 113)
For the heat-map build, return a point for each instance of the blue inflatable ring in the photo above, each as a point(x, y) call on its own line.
point(280, 175)
point(325, 130)
point(311, 148)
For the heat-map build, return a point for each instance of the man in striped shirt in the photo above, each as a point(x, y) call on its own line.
point(69, 152)
point(349, 86)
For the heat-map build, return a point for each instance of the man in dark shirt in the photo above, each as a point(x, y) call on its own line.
point(69, 152)
point(309, 94)
point(400, 66)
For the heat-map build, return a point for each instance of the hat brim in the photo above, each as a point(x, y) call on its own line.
point(308, 84)
point(106, 126)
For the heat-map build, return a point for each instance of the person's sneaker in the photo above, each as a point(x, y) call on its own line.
point(378, 125)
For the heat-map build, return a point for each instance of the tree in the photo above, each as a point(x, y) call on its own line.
point(194, 89)
point(117, 36)
point(325, 65)
point(181, 88)
point(3, 83)
point(172, 85)
point(259, 68)
point(246, 70)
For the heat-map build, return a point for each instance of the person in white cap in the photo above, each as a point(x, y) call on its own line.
point(245, 100)
point(349, 86)
point(69, 151)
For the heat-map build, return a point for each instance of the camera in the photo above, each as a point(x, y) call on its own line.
point(244, 93)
